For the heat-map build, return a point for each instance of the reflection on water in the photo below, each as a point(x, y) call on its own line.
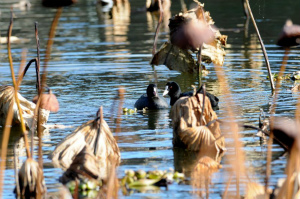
point(95, 51)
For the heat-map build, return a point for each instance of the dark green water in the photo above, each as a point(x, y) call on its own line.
point(93, 55)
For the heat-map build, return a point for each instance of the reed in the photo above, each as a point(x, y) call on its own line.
point(238, 160)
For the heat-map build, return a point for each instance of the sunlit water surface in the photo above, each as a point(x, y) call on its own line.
point(94, 54)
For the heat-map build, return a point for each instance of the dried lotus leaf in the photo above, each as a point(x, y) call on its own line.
point(175, 59)
point(290, 35)
point(30, 178)
point(7, 98)
point(207, 163)
point(256, 191)
point(86, 134)
point(186, 114)
point(199, 139)
point(48, 102)
point(84, 164)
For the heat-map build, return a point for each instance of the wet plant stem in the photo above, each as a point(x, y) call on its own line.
point(203, 105)
point(100, 115)
point(161, 16)
point(121, 93)
point(16, 160)
point(199, 65)
point(272, 113)
point(262, 46)
point(16, 87)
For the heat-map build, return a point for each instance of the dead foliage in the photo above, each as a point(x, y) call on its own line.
point(290, 35)
point(189, 31)
point(85, 165)
point(106, 145)
point(31, 179)
point(48, 101)
point(256, 191)
point(187, 131)
point(201, 175)
point(7, 97)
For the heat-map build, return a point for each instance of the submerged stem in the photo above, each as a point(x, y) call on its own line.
point(262, 47)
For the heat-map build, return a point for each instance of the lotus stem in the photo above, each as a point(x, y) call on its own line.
point(262, 46)
point(199, 65)
point(272, 112)
point(161, 15)
point(118, 120)
point(16, 86)
point(100, 116)
point(5, 139)
point(37, 63)
point(203, 105)
point(16, 159)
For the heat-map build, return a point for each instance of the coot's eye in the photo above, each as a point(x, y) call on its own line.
point(170, 87)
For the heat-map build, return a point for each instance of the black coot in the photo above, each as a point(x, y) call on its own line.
point(151, 100)
point(174, 91)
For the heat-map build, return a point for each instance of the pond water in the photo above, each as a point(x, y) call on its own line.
point(93, 54)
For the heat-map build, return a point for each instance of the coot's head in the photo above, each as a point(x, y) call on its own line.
point(172, 89)
point(152, 90)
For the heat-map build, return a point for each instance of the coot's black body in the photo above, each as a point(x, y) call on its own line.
point(151, 100)
point(174, 91)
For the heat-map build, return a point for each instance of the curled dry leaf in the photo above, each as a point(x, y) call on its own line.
point(290, 35)
point(206, 163)
point(30, 177)
point(175, 58)
point(256, 191)
point(7, 98)
point(187, 132)
point(187, 32)
point(86, 134)
point(48, 101)
point(86, 165)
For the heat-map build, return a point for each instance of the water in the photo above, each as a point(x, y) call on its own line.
point(93, 55)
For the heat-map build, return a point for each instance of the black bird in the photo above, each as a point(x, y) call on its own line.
point(174, 91)
point(151, 100)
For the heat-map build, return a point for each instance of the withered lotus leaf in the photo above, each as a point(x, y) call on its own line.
point(85, 165)
point(175, 58)
point(187, 131)
point(48, 102)
point(205, 163)
point(290, 35)
point(86, 134)
point(7, 97)
point(256, 191)
point(187, 32)
point(30, 177)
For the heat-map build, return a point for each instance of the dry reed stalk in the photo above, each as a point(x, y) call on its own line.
point(262, 46)
point(6, 133)
point(161, 16)
point(16, 87)
point(238, 164)
point(272, 112)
